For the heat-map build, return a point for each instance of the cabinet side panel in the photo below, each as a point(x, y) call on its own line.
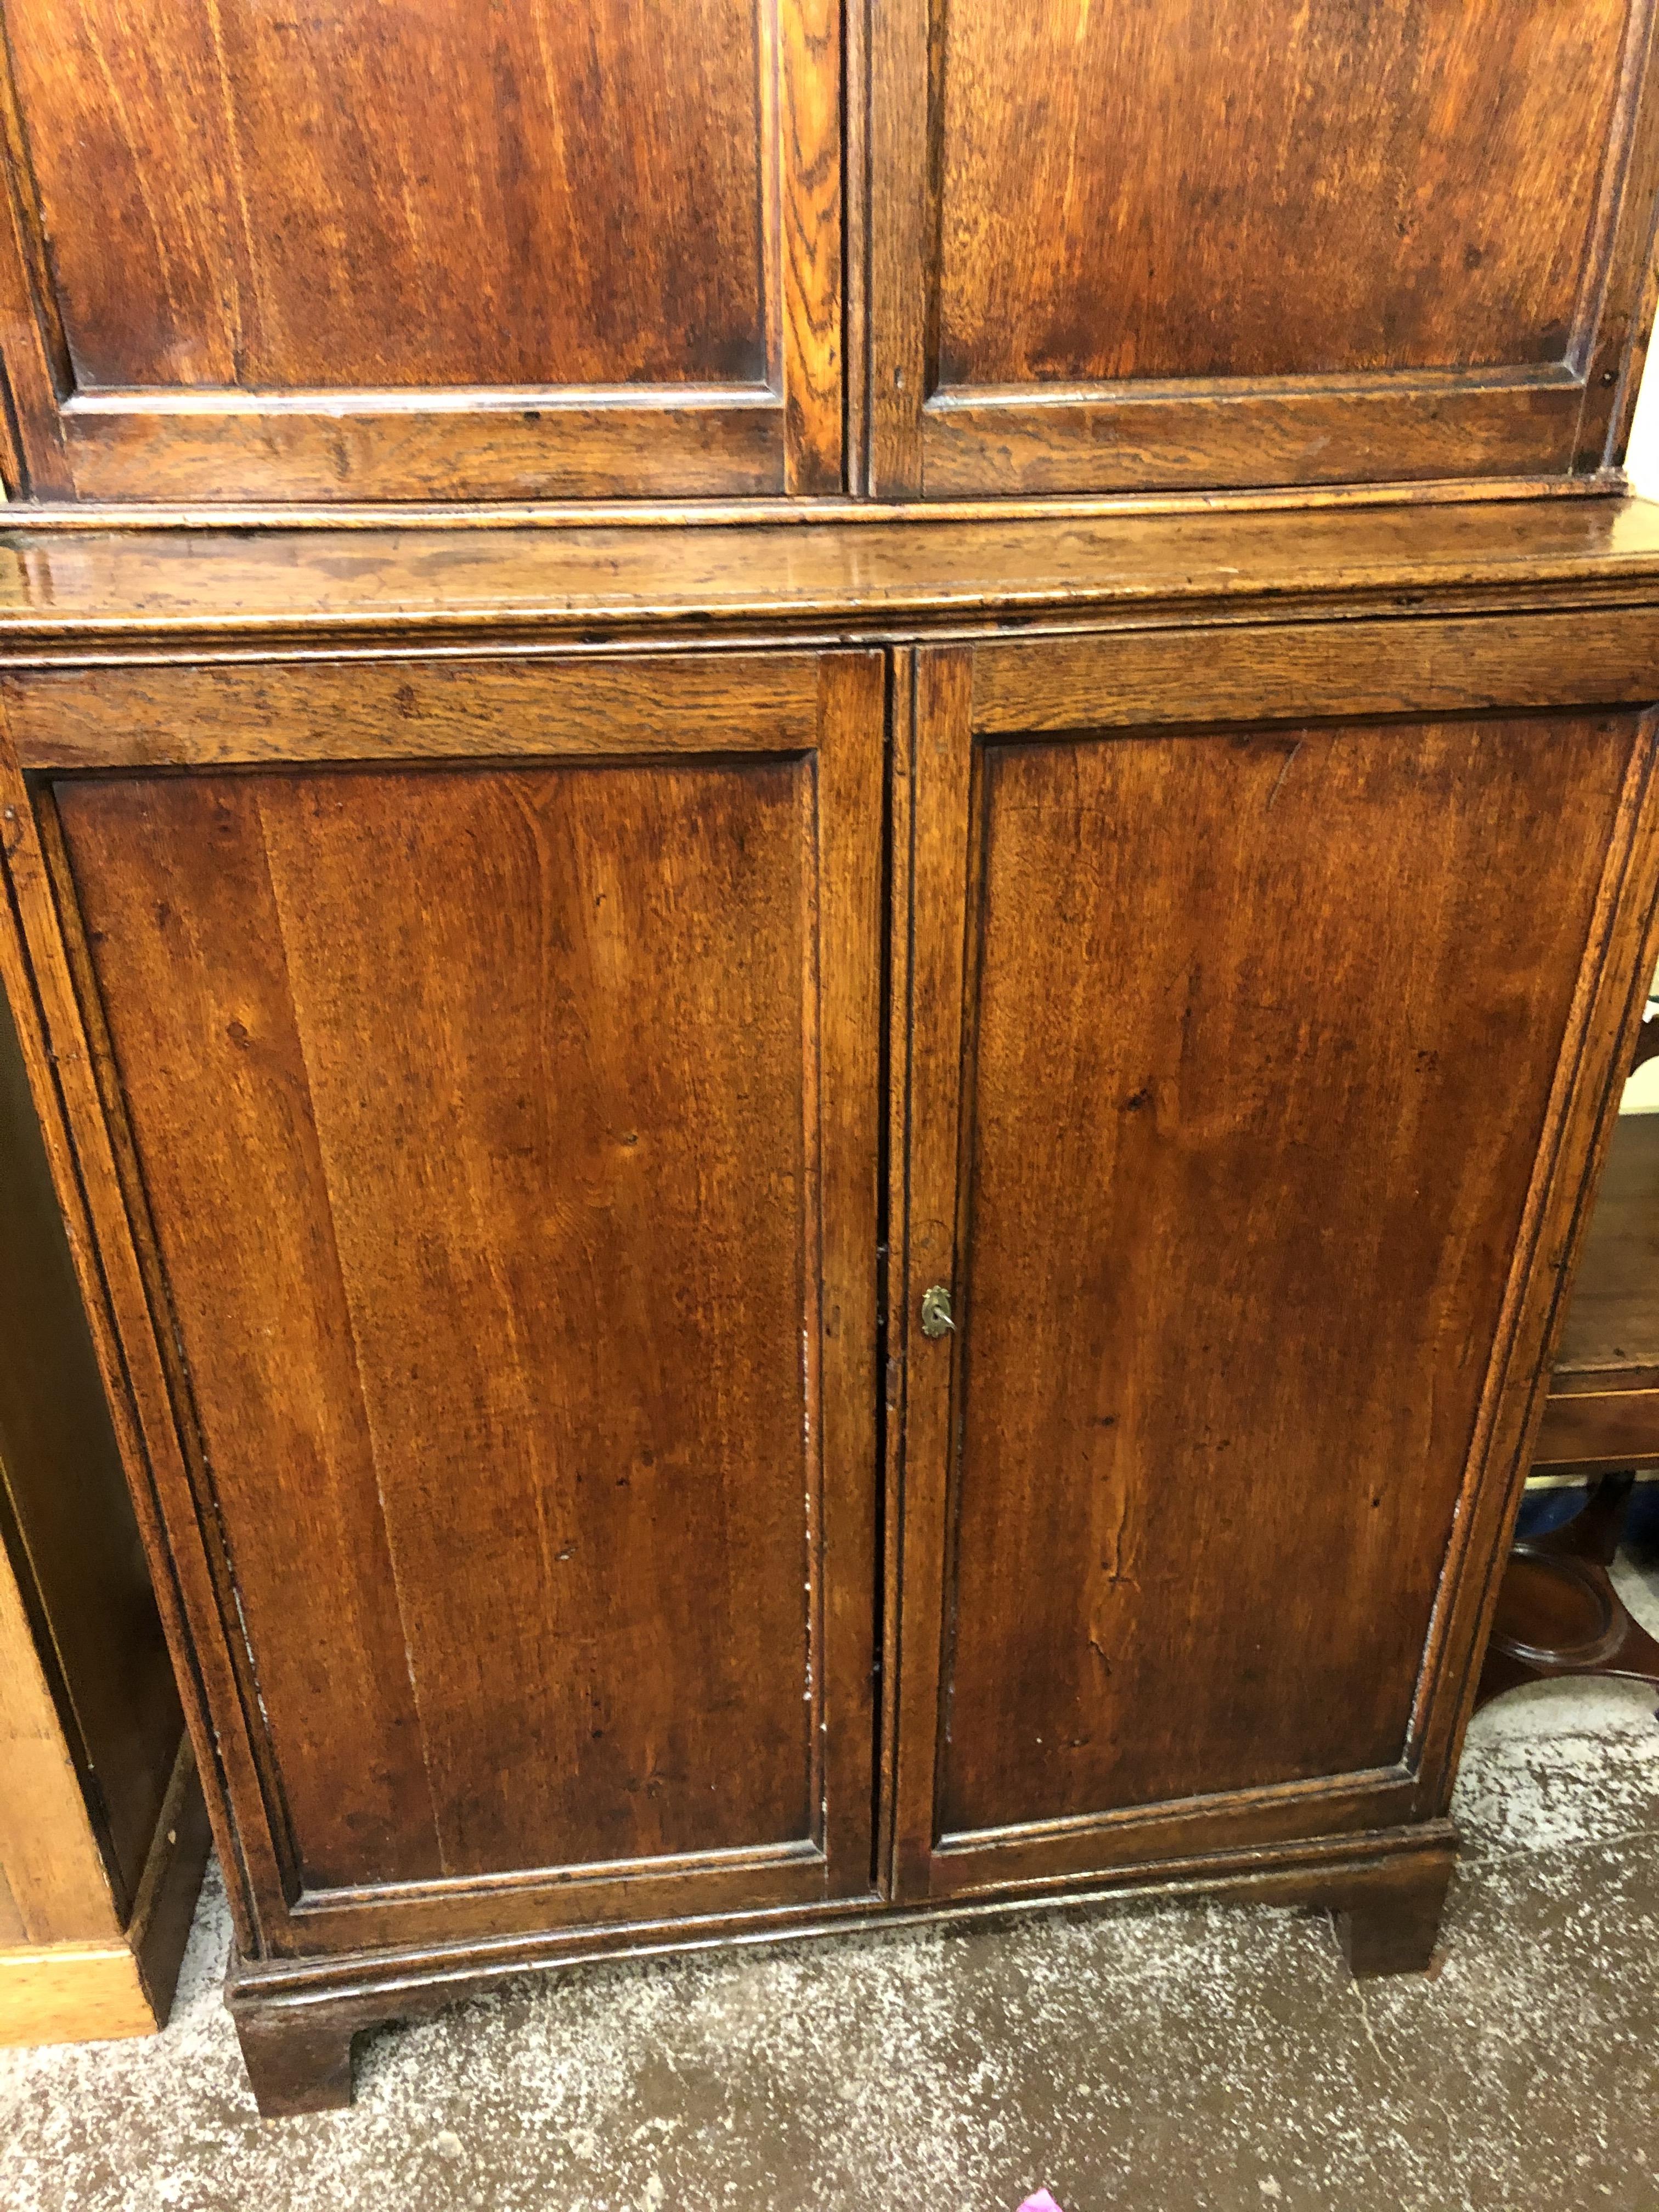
point(1214, 188)
point(470, 1108)
point(1234, 1252)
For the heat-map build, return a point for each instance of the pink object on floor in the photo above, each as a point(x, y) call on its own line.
point(1041, 2202)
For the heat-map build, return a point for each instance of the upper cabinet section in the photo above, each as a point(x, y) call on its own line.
point(1123, 244)
point(460, 251)
point(429, 250)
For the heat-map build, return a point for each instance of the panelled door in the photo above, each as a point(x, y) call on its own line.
point(1264, 996)
point(422, 249)
point(1138, 244)
point(491, 1051)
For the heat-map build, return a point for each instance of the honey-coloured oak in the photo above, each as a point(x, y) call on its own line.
point(527, 1024)
point(391, 252)
point(417, 251)
point(1170, 243)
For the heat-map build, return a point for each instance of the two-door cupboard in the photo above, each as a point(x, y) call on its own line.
point(826, 831)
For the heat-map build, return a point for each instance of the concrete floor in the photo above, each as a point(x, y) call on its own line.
point(1156, 2058)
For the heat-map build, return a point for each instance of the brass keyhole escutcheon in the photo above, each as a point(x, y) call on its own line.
point(936, 1311)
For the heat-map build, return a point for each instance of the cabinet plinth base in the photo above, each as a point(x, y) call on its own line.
point(296, 2019)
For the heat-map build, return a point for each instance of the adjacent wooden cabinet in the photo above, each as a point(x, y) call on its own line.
point(103, 1833)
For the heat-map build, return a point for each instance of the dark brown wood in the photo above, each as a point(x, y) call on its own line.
point(299, 2063)
point(449, 973)
point(294, 2017)
point(1391, 1928)
point(1156, 245)
point(1155, 974)
point(565, 250)
point(740, 894)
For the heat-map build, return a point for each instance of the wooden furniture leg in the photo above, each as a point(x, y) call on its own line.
point(296, 2065)
point(1557, 1611)
point(1393, 1924)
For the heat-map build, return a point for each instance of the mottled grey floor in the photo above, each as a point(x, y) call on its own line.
point(1154, 2058)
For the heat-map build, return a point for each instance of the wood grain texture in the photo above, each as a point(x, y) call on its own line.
point(71, 1104)
point(1610, 1338)
point(1268, 674)
point(1291, 821)
point(72, 1993)
point(935, 923)
point(636, 1400)
point(1603, 1406)
point(296, 2018)
point(1296, 433)
point(1603, 1027)
point(414, 197)
point(1155, 1514)
point(412, 710)
point(55, 1882)
point(1152, 246)
point(247, 587)
point(1599, 1429)
point(505, 1221)
point(694, 445)
point(1170, 189)
point(400, 254)
point(1058, 1603)
point(809, 78)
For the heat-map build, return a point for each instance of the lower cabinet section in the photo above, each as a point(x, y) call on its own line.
point(756, 1289)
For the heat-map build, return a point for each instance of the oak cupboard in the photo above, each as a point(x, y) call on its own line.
point(383, 251)
point(773, 781)
point(789, 1228)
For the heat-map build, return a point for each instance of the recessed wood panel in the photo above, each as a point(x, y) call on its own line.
point(416, 249)
point(1168, 244)
point(476, 1114)
point(418, 193)
point(1230, 1257)
point(1206, 188)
